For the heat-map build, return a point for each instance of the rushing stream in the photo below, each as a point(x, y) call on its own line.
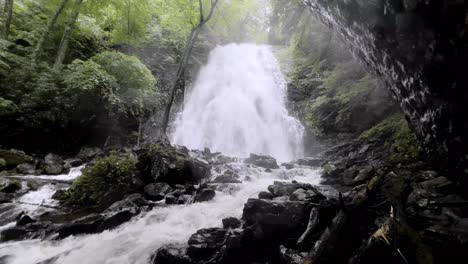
point(237, 107)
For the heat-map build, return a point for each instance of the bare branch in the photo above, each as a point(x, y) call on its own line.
point(201, 11)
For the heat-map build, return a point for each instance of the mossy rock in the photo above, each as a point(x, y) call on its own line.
point(2, 163)
point(14, 157)
point(165, 164)
point(103, 183)
point(398, 138)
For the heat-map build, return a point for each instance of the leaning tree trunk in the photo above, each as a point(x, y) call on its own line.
point(62, 50)
point(184, 61)
point(50, 24)
point(8, 13)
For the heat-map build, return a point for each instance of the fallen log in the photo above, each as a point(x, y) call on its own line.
point(328, 249)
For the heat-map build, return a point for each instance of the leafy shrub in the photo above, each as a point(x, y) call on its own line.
point(108, 176)
point(135, 80)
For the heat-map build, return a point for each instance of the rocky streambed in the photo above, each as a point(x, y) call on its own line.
point(181, 206)
point(173, 194)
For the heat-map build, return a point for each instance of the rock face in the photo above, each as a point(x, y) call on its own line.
point(419, 48)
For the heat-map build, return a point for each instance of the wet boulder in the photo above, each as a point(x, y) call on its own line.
point(24, 219)
point(162, 163)
point(227, 177)
point(311, 162)
point(280, 189)
point(26, 168)
point(6, 197)
point(266, 162)
point(28, 231)
point(205, 195)
point(156, 191)
point(116, 219)
point(13, 157)
point(171, 254)
point(10, 186)
point(73, 162)
point(206, 243)
point(132, 202)
point(280, 221)
point(231, 222)
point(265, 195)
point(53, 164)
point(86, 225)
point(89, 153)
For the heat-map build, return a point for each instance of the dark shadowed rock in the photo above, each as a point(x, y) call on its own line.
point(231, 222)
point(54, 169)
point(157, 191)
point(86, 225)
point(115, 220)
point(280, 189)
point(204, 244)
point(265, 195)
point(26, 168)
point(163, 163)
point(73, 162)
point(14, 157)
point(282, 221)
point(171, 254)
point(170, 199)
point(290, 256)
point(205, 195)
point(131, 202)
point(24, 219)
point(266, 162)
point(89, 153)
point(10, 187)
point(60, 195)
point(226, 179)
point(312, 162)
point(6, 197)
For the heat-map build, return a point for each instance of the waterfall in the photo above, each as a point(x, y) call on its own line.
point(237, 106)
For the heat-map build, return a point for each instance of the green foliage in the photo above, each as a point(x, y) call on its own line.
point(135, 80)
point(398, 137)
point(111, 174)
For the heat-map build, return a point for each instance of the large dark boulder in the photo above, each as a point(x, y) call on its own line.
point(161, 163)
point(266, 162)
point(295, 191)
point(171, 254)
point(420, 49)
point(157, 191)
point(279, 221)
point(14, 157)
point(204, 244)
point(205, 195)
point(53, 164)
point(89, 153)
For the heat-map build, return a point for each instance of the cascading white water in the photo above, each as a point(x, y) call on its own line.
point(237, 106)
point(135, 241)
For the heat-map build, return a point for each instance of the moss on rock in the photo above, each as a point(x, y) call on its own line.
point(397, 137)
point(101, 184)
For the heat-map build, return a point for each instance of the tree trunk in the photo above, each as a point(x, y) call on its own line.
point(62, 50)
point(50, 24)
point(8, 13)
point(184, 61)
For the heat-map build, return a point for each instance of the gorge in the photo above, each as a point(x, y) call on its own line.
point(301, 131)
